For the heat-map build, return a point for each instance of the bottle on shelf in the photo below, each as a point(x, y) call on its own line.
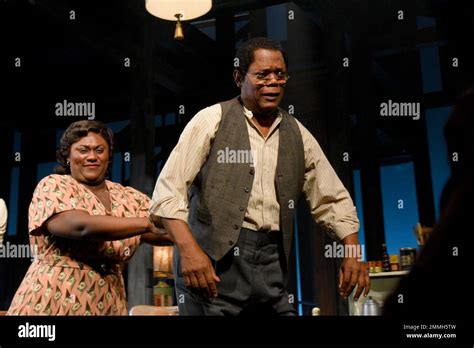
point(394, 266)
point(385, 259)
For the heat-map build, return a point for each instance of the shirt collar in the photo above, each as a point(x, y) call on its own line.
point(249, 114)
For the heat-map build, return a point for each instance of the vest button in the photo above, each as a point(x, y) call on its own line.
point(236, 227)
point(241, 208)
point(252, 172)
point(247, 190)
point(231, 242)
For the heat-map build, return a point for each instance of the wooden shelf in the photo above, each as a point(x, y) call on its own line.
point(387, 274)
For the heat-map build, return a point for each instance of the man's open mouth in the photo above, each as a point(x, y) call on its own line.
point(271, 96)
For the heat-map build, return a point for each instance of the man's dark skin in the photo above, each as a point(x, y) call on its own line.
point(262, 98)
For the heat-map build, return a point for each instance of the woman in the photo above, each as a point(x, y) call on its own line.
point(84, 229)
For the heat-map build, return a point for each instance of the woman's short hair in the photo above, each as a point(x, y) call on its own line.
point(76, 131)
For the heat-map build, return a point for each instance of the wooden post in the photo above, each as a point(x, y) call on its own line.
point(142, 173)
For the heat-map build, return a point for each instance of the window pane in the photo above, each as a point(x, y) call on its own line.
point(400, 206)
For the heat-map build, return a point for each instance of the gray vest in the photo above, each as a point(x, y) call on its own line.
point(220, 194)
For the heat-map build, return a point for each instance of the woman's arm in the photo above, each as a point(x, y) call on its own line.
point(78, 224)
point(158, 240)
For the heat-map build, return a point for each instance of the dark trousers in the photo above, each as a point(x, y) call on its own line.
point(252, 280)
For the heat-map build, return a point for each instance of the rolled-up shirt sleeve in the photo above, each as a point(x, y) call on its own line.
point(330, 203)
point(170, 196)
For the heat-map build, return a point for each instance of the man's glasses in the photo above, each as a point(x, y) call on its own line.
point(266, 76)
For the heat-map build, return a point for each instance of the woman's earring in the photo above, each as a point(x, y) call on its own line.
point(67, 162)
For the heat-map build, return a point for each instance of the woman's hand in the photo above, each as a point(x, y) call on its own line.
point(156, 234)
point(156, 220)
point(155, 226)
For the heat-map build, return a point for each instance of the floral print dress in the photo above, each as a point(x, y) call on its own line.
point(72, 276)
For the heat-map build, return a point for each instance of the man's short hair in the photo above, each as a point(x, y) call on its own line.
point(246, 51)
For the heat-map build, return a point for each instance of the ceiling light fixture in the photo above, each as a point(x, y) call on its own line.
point(178, 10)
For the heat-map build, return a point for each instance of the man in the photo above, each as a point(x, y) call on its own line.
point(243, 164)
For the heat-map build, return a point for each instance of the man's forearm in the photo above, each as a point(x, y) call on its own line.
point(353, 246)
point(351, 239)
point(181, 233)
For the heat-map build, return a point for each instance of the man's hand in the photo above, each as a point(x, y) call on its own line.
point(196, 266)
point(198, 271)
point(353, 272)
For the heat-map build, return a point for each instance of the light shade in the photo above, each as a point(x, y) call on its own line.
point(162, 260)
point(168, 9)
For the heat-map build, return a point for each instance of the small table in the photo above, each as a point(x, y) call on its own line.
point(154, 310)
point(382, 285)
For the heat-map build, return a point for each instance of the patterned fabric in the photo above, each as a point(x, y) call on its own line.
point(70, 276)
